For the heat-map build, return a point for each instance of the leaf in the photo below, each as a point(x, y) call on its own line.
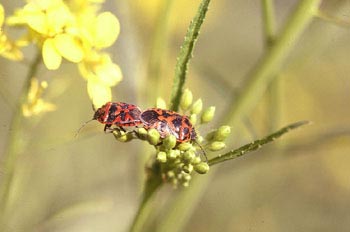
point(256, 144)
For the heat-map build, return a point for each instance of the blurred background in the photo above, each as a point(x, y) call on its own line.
point(94, 183)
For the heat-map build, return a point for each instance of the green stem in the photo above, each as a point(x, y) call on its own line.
point(181, 208)
point(153, 183)
point(255, 145)
point(15, 138)
point(331, 19)
point(270, 64)
point(274, 93)
point(269, 21)
point(186, 54)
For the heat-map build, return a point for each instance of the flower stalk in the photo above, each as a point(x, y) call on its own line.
point(153, 183)
point(256, 144)
point(186, 54)
point(12, 148)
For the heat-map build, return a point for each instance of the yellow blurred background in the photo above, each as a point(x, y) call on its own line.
point(93, 183)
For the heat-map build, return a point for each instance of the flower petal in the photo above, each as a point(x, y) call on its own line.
point(35, 18)
point(99, 93)
point(52, 59)
point(69, 47)
point(2, 16)
point(108, 73)
point(107, 30)
point(58, 18)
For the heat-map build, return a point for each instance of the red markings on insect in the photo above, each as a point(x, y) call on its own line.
point(168, 122)
point(119, 114)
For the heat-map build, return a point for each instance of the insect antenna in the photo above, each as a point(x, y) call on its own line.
point(93, 107)
point(76, 134)
point(203, 152)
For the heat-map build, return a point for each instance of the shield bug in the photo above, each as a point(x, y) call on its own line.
point(118, 114)
point(168, 122)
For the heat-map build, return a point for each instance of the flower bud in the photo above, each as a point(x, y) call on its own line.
point(169, 142)
point(188, 156)
point(193, 119)
point(184, 146)
point(186, 177)
point(201, 168)
point(186, 184)
point(199, 139)
point(153, 136)
point(161, 157)
point(178, 165)
point(216, 146)
point(197, 107)
point(173, 154)
point(161, 103)
point(122, 136)
point(208, 114)
point(142, 133)
point(186, 99)
point(222, 133)
point(188, 168)
point(170, 174)
point(196, 160)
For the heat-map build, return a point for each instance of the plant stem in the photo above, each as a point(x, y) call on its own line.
point(269, 21)
point(153, 183)
point(332, 19)
point(274, 90)
point(186, 54)
point(15, 138)
point(182, 206)
point(255, 145)
point(270, 64)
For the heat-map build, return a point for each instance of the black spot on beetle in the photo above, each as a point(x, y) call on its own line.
point(177, 122)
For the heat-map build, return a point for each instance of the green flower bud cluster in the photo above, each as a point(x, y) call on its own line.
point(215, 139)
point(178, 161)
point(196, 108)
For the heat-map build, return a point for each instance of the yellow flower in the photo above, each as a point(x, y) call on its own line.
point(8, 49)
point(99, 93)
point(54, 28)
point(35, 104)
point(105, 31)
point(101, 74)
point(62, 45)
point(2, 15)
point(75, 31)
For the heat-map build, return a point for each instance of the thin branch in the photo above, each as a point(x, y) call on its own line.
point(255, 145)
point(11, 153)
